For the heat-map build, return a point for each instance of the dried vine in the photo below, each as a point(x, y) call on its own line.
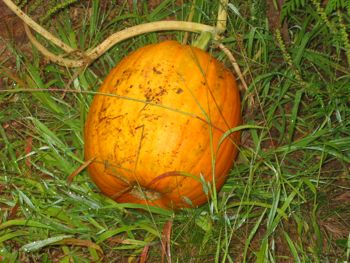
point(84, 58)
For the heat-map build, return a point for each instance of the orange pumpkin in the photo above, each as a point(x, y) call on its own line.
point(155, 126)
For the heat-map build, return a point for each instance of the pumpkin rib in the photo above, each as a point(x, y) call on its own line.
point(213, 66)
point(179, 58)
point(104, 98)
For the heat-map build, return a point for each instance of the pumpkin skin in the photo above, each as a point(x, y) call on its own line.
point(160, 128)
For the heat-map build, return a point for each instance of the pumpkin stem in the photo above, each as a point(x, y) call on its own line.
point(202, 41)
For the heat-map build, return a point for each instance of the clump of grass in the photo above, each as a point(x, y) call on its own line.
point(287, 194)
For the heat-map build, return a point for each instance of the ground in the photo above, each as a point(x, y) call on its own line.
point(288, 194)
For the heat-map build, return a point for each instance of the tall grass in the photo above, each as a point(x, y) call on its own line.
point(287, 195)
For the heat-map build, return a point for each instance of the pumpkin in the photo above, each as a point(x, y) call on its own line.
point(156, 127)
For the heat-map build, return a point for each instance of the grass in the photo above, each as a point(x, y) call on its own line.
point(287, 196)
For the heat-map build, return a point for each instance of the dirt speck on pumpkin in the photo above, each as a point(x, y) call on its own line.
point(155, 70)
point(179, 91)
point(155, 94)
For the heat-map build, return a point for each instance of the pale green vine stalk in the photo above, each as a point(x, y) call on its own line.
point(91, 55)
